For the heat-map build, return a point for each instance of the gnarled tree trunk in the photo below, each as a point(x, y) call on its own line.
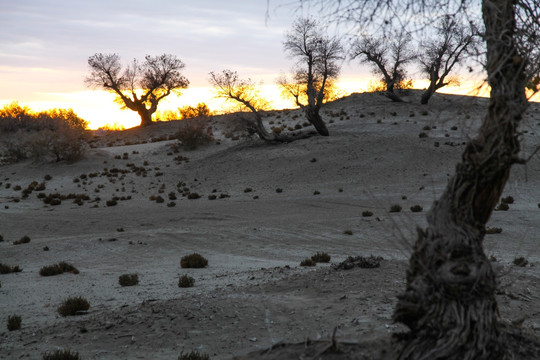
point(146, 117)
point(313, 116)
point(449, 304)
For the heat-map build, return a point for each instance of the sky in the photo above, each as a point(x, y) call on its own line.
point(45, 45)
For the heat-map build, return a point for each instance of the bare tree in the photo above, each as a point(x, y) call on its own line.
point(230, 87)
point(439, 55)
point(318, 59)
point(388, 57)
point(139, 87)
point(449, 302)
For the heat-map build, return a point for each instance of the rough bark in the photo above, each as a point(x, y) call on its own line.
point(146, 117)
point(449, 304)
point(313, 116)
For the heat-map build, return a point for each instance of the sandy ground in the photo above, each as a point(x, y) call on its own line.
point(253, 293)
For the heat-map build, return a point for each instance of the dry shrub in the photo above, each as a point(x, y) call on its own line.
point(194, 133)
point(359, 261)
point(6, 269)
point(194, 260)
point(57, 269)
point(416, 208)
point(24, 240)
point(128, 279)
point(73, 306)
point(507, 200)
point(186, 281)
point(367, 213)
point(193, 355)
point(520, 261)
point(61, 355)
point(321, 257)
point(308, 262)
point(14, 323)
point(395, 208)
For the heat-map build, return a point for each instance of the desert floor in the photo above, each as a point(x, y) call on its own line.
point(253, 293)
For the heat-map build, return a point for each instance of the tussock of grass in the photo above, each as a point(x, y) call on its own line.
point(186, 281)
point(395, 208)
point(193, 355)
point(58, 269)
point(24, 240)
point(194, 260)
point(128, 279)
point(321, 257)
point(14, 323)
point(520, 261)
point(6, 269)
point(308, 262)
point(73, 306)
point(61, 355)
point(416, 208)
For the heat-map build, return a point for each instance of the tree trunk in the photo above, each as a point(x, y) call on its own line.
point(426, 95)
point(146, 117)
point(449, 303)
point(313, 116)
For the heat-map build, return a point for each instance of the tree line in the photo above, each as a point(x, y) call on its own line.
point(318, 57)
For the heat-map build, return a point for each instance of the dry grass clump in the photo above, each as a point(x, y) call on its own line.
point(128, 279)
point(507, 200)
point(520, 261)
point(193, 355)
point(24, 240)
point(279, 190)
point(194, 133)
point(395, 208)
point(6, 269)
point(416, 208)
point(195, 261)
point(348, 232)
point(73, 306)
point(321, 257)
point(308, 262)
point(58, 269)
point(502, 207)
point(61, 355)
point(193, 196)
point(14, 323)
point(494, 230)
point(111, 202)
point(367, 213)
point(186, 281)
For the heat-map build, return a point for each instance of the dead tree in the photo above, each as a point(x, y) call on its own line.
point(138, 87)
point(317, 64)
point(388, 57)
point(230, 87)
point(439, 55)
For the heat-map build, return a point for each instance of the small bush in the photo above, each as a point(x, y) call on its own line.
point(395, 208)
point(194, 133)
point(247, 190)
point(61, 355)
point(520, 261)
point(6, 269)
point(193, 355)
point(321, 257)
point(316, 192)
point(128, 279)
point(308, 262)
point(58, 269)
point(73, 306)
point(494, 230)
point(502, 207)
point(1, 238)
point(111, 202)
point(193, 196)
point(279, 190)
point(507, 200)
point(367, 213)
point(14, 323)
point(212, 197)
point(24, 240)
point(416, 208)
point(194, 260)
point(186, 281)
point(348, 232)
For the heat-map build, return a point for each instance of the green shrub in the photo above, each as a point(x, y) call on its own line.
point(61, 355)
point(24, 240)
point(395, 208)
point(14, 323)
point(194, 260)
point(58, 269)
point(128, 279)
point(321, 257)
point(308, 262)
point(73, 306)
point(186, 281)
point(193, 355)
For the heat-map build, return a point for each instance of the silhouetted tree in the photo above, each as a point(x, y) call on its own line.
point(449, 302)
point(139, 87)
point(440, 54)
point(230, 87)
point(317, 57)
point(388, 57)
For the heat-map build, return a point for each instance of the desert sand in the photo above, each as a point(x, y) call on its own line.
point(253, 294)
